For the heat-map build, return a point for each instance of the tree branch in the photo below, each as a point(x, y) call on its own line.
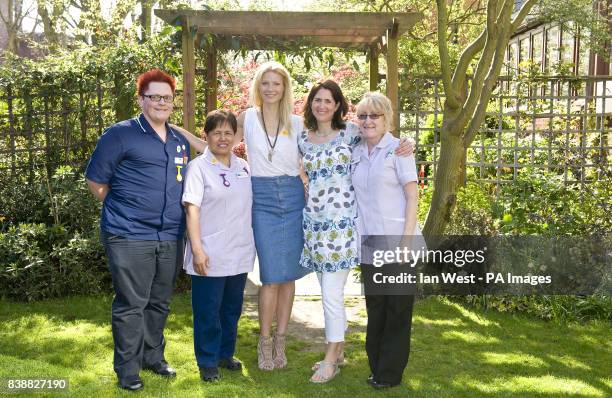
point(452, 99)
point(523, 12)
point(484, 63)
point(493, 73)
point(466, 58)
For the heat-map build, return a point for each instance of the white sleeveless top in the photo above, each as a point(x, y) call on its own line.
point(286, 157)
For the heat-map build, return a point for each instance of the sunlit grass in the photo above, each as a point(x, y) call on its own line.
point(495, 358)
point(456, 352)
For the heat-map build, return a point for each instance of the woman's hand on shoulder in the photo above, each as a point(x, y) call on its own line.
point(406, 147)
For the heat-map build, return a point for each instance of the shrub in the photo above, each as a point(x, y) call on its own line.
point(537, 203)
point(22, 201)
point(41, 262)
point(474, 212)
point(49, 245)
point(63, 199)
point(562, 308)
point(70, 201)
point(541, 203)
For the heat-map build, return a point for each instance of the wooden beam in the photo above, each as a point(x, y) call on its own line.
point(392, 77)
point(374, 78)
point(258, 42)
point(285, 21)
point(211, 77)
point(188, 78)
point(298, 31)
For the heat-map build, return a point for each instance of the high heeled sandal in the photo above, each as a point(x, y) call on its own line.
point(264, 353)
point(279, 357)
point(320, 372)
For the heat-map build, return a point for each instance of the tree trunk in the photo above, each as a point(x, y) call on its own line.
point(465, 110)
point(145, 19)
point(12, 42)
point(447, 181)
point(48, 23)
point(12, 24)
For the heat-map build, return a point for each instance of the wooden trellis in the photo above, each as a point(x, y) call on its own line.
point(558, 124)
point(376, 32)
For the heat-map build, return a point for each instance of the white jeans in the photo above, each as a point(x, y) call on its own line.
point(332, 293)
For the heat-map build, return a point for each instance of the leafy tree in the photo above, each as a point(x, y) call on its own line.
point(52, 12)
point(12, 16)
point(467, 99)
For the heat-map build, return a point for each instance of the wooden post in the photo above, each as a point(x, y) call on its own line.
point(188, 79)
point(211, 77)
point(373, 68)
point(392, 76)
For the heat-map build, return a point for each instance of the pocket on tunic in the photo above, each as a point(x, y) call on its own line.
point(214, 245)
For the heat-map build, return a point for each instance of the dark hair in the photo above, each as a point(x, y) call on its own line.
point(338, 120)
point(153, 75)
point(217, 118)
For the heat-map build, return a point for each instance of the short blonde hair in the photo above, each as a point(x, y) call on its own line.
point(286, 102)
point(376, 102)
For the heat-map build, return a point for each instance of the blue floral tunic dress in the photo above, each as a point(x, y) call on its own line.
point(330, 237)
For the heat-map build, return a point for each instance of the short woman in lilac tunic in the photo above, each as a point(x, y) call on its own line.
point(221, 250)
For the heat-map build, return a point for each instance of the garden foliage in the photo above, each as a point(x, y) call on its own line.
point(49, 242)
point(49, 245)
point(536, 203)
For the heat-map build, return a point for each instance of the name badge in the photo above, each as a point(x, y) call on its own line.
point(242, 174)
point(178, 160)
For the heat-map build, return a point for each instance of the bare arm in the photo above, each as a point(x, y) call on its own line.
point(200, 258)
point(411, 193)
point(304, 178)
point(404, 149)
point(196, 143)
point(240, 131)
point(98, 190)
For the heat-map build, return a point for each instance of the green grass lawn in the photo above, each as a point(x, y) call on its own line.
point(456, 352)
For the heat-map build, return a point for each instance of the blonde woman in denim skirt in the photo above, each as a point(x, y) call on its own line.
point(271, 134)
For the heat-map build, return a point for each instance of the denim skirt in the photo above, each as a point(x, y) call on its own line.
point(278, 203)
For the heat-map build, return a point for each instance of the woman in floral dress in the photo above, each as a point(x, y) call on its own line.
point(330, 239)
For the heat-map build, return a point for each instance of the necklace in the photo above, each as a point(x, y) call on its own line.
point(270, 144)
point(322, 135)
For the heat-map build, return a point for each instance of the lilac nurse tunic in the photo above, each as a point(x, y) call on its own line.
point(379, 178)
point(225, 199)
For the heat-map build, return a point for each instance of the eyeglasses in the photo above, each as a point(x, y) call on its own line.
point(373, 116)
point(221, 134)
point(157, 98)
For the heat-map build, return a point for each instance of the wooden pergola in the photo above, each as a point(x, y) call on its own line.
point(375, 32)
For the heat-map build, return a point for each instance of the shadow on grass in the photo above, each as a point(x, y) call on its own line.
point(456, 352)
point(504, 355)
